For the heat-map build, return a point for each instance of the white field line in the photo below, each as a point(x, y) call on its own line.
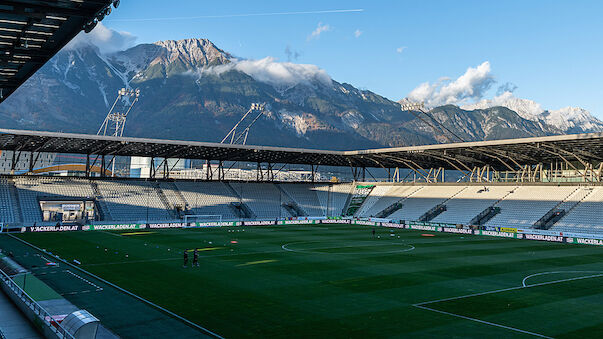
point(125, 291)
point(523, 282)
point(284, 247)
point(98, 288)
point(508, 289)
point(421, 305)
point(484, 322)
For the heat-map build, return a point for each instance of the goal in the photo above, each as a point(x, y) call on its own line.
point(202, 218)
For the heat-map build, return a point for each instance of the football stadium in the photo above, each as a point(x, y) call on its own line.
point(193, 239)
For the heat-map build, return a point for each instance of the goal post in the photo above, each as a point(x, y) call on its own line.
point(192, 218)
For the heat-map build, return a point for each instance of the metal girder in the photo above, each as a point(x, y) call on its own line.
point(495, 157)
point(34, 31)
point(49, 8)
point(408, 164)
point(442, 156)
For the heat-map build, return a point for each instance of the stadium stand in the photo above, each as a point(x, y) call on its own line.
point(384, 196)
point(6, 203)
point(520, 206)
point(306, 197)
point(424, 199)
point(339, 196)
point(527, 204)
point(585, 214)
point(174, 200)
point(132, 200)
point(470, 202)
point(264, 199)
point(208, 198)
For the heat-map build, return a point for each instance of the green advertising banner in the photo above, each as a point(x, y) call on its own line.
point(585, 241)
point(113, 227)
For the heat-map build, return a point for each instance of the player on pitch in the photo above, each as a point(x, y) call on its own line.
point(185, 256)
point(195, 258)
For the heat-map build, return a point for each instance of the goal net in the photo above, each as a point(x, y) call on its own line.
point(192, 219)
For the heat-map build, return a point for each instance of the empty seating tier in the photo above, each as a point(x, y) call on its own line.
point(138, 200)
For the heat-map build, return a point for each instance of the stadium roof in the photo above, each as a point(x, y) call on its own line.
point(509, 154)
point(32, 31)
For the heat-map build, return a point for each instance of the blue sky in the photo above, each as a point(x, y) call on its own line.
point(550, 50)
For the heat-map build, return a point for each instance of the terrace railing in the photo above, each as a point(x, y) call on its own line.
point(33, 309)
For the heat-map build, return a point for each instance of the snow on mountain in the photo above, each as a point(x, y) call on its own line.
point(526, 109)
point(573, 120)
point(568, 119)
point(193, 90)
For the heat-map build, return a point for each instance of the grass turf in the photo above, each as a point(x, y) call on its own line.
point(339, 281)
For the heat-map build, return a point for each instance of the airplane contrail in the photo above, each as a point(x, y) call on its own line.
point(243, 15)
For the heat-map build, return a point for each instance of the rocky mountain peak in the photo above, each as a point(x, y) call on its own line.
point(191, 52)
point(74, 91)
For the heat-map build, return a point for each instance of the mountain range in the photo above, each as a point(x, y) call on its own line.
point(193, 90)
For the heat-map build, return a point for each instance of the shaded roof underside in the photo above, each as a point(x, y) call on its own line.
point(33, 31)
point(499, 154)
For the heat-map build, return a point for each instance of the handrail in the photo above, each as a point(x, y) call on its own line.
point(37, 309)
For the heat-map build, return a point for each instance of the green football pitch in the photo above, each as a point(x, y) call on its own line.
point(327, 281)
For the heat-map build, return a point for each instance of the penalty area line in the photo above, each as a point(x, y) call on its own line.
point(523, 286)
point(510, 289)
point(484, 322)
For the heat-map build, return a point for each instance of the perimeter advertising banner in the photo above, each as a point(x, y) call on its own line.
point(542, 237)
point(500, 234)
point(508, 229)
point(584, 241)
point(505, 232)
point(457, 230)
point(259, 223)
point(365, 223)
point(298, 222)
point(168, 225)
point(218, 224)
point(425, 228)
point(335, 221)
point(113, 227)
point(393, 225)
point(51, 229)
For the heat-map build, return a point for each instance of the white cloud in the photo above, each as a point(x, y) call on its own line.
point(318, 31)
point(106, 39)
point(357, 33)
point(400, 49)
point(471, 85)
point(280, 75)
